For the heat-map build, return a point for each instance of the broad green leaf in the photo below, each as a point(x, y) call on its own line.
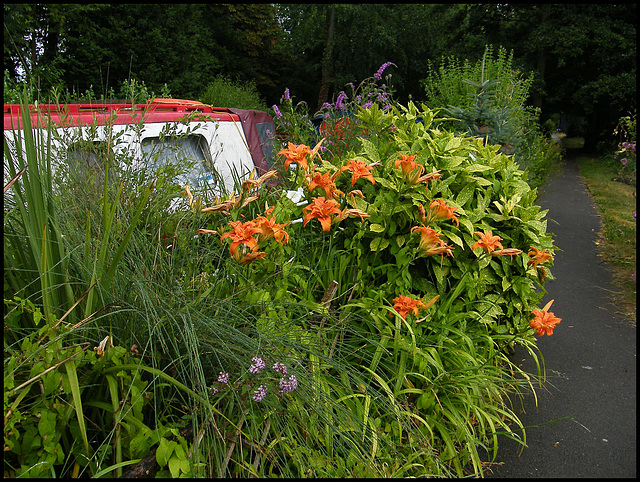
point(164, 451)
point(378, 244)
point(454, 238)
point(465, 194)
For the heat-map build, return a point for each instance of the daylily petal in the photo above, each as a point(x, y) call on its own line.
point(321, 209)
point(487, 241)
point(506, 252)
point(250, 257)
point(544, 321)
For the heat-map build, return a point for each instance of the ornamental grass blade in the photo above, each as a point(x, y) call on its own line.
point(77, 403)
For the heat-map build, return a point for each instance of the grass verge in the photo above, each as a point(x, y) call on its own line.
point(616, 203)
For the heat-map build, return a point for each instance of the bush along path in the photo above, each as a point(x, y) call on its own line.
point(360, 330)
point(584, 424)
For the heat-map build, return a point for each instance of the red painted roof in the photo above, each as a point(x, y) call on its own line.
point(99, 113)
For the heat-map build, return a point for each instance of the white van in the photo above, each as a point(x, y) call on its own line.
point(225, 145)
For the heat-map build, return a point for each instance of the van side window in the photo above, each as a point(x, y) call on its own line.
point(86, 160)
point(266, 132)
point(174, 149)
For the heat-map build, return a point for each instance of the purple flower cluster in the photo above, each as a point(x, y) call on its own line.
point(280, 367)
point(285, 384)
point(630, 146)
point(277, 111)
point(286, 94)
point(288, 385)
point(378, 74)
point(257, 365)
point(341, 98)
point(260, 393)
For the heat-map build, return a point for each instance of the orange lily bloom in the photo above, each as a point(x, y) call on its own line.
point(487, 242)
point(506, 252)
point(538, 257)
point(359, 169)
point(324, 181)
point(242, 233)
point(407, 164)
point(405, 305)
point(429, 177)
point(545, 321)
point(321, 209)
point(270, 229)
point(441, 210)
point(428, 237)
point(431, 244)
point(250, 257)
point(296, 153)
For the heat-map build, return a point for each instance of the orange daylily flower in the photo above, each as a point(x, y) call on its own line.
point(545, 321)
point(506, 252)
point(538, 257)
point(431, 244)
point(296, 153)
point(429, 177)
point(407, 164)
point(242, 233)
point(428, 237)
point(354, 212)
point(487, 242)
point(359, 169)
point(324, 181)
point(441, 210)
point(405, 305)
point(321, 209)
point(270, 229)
point(250, 257)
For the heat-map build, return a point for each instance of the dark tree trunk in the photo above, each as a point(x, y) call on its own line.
point(541, 62)
point(327, 59)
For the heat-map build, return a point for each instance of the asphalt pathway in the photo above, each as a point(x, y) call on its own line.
point(585, 423)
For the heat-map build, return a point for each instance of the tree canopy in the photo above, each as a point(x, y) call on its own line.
point(583, 55)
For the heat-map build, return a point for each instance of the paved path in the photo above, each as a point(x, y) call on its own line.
point(590, 359)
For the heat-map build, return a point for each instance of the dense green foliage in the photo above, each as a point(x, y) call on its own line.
point(367, 340)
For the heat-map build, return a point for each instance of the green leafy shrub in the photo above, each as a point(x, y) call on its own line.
point(224, 92)
point(396, 220)
point(488, 100)
point(391, 288)
point(626, 153)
